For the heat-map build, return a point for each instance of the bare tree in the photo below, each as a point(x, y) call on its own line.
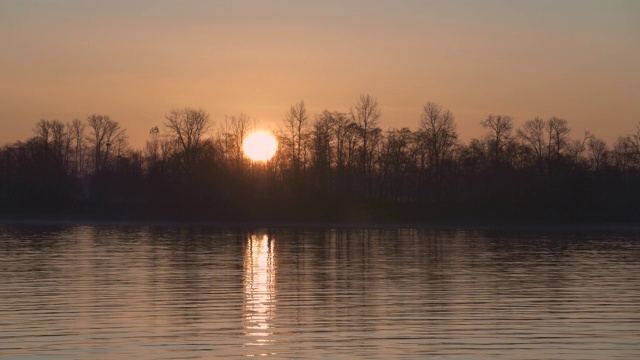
point(499, 135)
point(473, 158)
point(104, 133)
point(437, 135)
point(42, 130)
point(533, 135)
point(186, 127)
point(224, 142)
point(321, 140)
point(340, 127)
point(633, 143)
point(152, 146)
point(622, 153)
point(558, 137)
point(396, 161)
point(57, 133)
point(322, 147)
point(295, 132)
point(366, 114)
point(597, 152)
point(52, 135)
point(577, 147)
point(75, 145)
point(239, 127)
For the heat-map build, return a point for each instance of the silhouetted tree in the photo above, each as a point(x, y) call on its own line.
point(339, 167)
point(577, 147)
point(239, 127)
point(322, 151)
point(633, 144)
point(533, 133)
point(366, 114)
point(622, 153)
point(499, 135)
point(186, 127)
point(397, 163)
point(104, 134)
point(597, 153)
point(152, 147)
point(343, 133)
point(51, 135)
point(294, 134)
point(437, 137)
point(76, 129)
point(558, 137)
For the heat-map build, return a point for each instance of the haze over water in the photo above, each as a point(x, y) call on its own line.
point(78, 292)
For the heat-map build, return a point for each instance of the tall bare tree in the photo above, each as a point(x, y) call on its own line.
point(42, 130)
point(340, 127)
point(396, 163)
point(437, 135)
point(499, 135)
point(321, 140)
point(295, 132)
point(577, 147)
point(558, 137)
point(75, 131)
point(622, 153)
point(58, 137)
point(52, 135)
point(187, 127)
point(533, 135)
point(104, 133)
point(366, 114)
point(239, 126)
point(152, 146)
point(322, 147)
point(597, 153)
point(633, 142)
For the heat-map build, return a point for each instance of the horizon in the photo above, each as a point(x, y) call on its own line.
point(576, 60)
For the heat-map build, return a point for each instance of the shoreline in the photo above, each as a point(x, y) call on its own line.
point(445, 226)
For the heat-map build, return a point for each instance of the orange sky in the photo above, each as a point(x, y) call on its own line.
point(134, 60)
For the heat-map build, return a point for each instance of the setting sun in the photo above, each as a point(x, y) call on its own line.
point(260, 146)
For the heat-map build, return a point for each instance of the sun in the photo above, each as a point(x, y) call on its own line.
point(260, 146)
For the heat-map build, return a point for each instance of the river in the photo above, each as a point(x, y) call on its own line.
point(170, 292)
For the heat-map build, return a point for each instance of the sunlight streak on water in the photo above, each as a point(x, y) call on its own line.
point(259, 289)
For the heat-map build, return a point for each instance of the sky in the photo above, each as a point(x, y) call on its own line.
point(136, 60)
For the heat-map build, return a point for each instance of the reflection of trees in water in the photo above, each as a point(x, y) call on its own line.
point(351, 274)
point(316, 286)
point(188, 265)
point(358, 270)
point(42, 248)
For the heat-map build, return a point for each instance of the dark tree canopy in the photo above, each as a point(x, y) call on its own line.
point(330, 166)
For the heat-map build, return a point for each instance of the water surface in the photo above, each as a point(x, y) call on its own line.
point(89, 292)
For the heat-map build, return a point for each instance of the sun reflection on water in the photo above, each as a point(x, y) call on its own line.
point(259, 289)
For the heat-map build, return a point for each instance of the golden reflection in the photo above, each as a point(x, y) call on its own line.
point(259, 289)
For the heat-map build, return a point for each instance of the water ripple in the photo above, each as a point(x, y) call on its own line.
point(178, 293)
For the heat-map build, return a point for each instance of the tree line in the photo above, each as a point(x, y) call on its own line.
point(332, 166)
